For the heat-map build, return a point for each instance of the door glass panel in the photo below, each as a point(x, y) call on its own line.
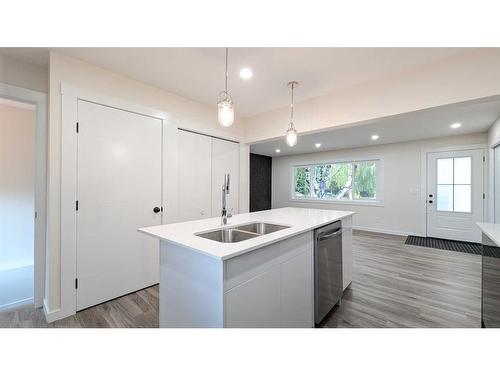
point(462, 171)
point(445, 197)
point(454, 178)
point(445, 171)
point(462, 198)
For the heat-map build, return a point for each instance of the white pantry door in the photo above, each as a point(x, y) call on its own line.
point(455, 194)
point(195, 170)
point(119, 185)
point(225, 159)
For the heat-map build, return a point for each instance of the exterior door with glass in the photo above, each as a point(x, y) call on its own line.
point(455, 194)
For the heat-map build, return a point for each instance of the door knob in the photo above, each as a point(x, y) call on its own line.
point(156, 210)
point(430, 195)
point(430, 201)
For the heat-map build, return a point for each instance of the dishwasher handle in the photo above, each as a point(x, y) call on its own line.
point(329, 235)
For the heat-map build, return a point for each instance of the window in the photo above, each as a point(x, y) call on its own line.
point(454, 180)
point(343, 181)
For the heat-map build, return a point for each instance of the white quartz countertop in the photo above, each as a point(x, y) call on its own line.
point(492, 230)
point(299, 220)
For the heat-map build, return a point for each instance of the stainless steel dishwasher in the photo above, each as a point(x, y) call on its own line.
point(327, 269)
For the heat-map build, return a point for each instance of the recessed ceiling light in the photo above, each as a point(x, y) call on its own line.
point(278, 150)
point(246, 73)
point(375, 137)
point(455, 125)
point(317, 145)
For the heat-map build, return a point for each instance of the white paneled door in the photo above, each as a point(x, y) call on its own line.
point(455, 194)
point(119, 190)
point(203, 161)
point(195, 170)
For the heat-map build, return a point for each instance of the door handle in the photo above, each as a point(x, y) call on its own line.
point(334, 234)
point(156, 210)
point(430, 202)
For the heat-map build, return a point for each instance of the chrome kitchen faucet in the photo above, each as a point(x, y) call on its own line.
point(225, 191)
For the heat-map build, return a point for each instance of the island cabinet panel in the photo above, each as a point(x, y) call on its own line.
point(191, 288)
point(272, 286)
point(297, 293)
point(346, 251)
point(256, 302)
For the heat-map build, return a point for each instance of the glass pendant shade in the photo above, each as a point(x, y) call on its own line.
point(291, 136)
point(225, 106)
point(225, 110)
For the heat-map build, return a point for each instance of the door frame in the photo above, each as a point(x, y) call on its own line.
point(38, 99)
point(491, 181)
point(423, 179)
point(70, 96)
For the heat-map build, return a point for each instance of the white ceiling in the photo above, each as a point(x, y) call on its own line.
point(198, 73)
point(476, 116)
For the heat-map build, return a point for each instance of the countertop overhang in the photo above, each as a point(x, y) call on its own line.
point(491, 230)
point(299, 220)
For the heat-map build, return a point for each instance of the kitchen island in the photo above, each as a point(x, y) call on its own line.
point(263, 278)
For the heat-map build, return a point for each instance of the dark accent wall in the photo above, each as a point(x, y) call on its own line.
point(260, 182)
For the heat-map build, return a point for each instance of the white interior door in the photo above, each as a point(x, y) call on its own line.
point(455, 194)
point(195, 171)
point(119, 184)
point(225, 159)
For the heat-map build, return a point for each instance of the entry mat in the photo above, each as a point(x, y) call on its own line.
point(438, 243)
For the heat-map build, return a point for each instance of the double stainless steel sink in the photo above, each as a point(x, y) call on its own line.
point(242, 232)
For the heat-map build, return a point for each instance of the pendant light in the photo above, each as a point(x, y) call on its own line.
point(291, 133)
point(225, 107)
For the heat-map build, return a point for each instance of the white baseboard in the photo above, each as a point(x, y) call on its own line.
point(387, 231)
point(14, 305)
point(52, 316)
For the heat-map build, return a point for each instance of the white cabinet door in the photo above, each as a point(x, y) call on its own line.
point(195, 176)
point(225, 159)
point(256, 302)
point(297, 291)
point(272, 286)
point(119, 184)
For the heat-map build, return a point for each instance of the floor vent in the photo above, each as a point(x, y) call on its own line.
point(438, 243)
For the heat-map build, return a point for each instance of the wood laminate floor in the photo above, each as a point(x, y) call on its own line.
point(398, 285)
point(135, 310)
point(394, 285)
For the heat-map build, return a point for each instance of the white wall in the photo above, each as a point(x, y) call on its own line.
point(470, 75)
point(17, 186)
point(402, 211)
point(183, 113)
point(21, 74)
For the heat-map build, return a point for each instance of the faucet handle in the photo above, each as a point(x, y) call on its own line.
point(230, 212)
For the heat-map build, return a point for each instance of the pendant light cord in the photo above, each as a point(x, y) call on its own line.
point(226, 68)
point(291, 107)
